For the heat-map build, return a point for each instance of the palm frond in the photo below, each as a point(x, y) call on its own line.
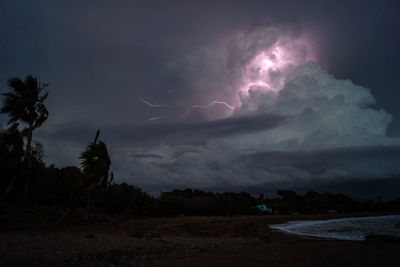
point(95, 159)
point(16, 84)
point(24, 103)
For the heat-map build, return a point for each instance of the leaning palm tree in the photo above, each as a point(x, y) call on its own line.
point(24, 104)
point(96, 170)
point(96, 176)
point(96, 162)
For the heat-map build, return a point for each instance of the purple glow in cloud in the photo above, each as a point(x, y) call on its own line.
point(267, 71)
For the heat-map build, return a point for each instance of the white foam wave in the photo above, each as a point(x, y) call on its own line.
point(345, 228)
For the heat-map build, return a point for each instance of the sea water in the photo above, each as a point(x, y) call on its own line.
point(345, 229)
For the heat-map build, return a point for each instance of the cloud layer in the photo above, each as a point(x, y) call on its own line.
point(287, 123)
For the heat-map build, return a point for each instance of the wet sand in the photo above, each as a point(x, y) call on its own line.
point(186, 241)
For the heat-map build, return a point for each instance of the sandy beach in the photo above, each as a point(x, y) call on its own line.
point(186, 241)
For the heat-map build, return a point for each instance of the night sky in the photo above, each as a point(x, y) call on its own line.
point(217, 95)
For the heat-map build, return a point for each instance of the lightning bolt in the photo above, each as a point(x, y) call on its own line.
point(156, 118)
point(208, 106)
point(187, 112)
point(153, 105)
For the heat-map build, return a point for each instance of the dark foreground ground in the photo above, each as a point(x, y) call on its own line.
point(184, 241)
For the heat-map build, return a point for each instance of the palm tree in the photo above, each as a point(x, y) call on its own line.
point(96, 170)
point(96, 175)
point(96, 161)
point(24, 103)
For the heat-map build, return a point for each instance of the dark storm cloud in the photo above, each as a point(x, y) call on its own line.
point(329, 170)
point(100, 57)
point(168, 133)
point(360, 162)
point(362, 172)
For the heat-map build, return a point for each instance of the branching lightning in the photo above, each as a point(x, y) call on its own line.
point(208, 106)
point(156, 118)
point(153, 105)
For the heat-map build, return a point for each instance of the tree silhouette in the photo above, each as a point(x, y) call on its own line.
point(96, 170)
point(24, 103)
point(96, 162)
point(96, 174)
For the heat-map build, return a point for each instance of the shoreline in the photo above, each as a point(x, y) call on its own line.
point(188, 241)
point(294, 228)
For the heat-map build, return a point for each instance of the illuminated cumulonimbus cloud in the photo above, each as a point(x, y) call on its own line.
point(262, 58)
point(275, 71)
point(324, 129)
point(257, 60)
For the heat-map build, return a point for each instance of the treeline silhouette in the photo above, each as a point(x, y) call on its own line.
point(63, 187)
point(26, 179)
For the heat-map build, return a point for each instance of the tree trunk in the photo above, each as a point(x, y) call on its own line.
point(28, 148)
point(27, 157)
point(10, 187)
point(86, 215)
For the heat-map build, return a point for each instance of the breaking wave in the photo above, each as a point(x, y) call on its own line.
point(344, 229)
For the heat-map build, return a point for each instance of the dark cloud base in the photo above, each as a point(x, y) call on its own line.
point(361, 172)
point(169, 133)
